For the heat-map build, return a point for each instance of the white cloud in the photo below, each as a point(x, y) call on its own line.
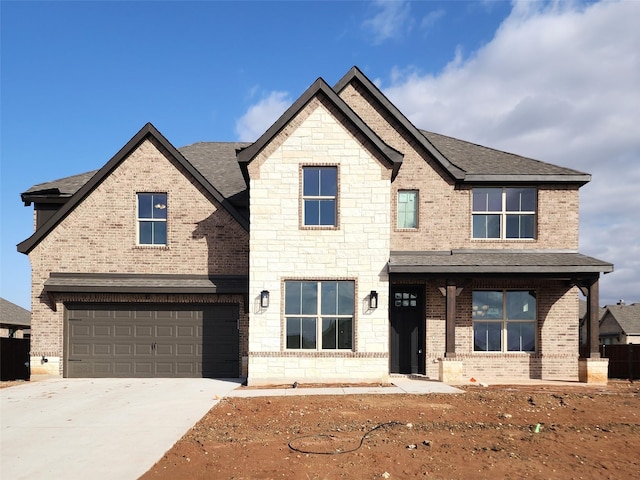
point(558, 82)
point(391, 21)
point(431, 19)
point(260, 116)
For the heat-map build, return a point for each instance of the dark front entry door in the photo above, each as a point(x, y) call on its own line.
point(407, 334)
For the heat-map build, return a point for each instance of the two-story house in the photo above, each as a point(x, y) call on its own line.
point(344, 244)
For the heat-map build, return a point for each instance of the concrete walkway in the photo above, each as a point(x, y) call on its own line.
point(119, 428)
point(400, 385)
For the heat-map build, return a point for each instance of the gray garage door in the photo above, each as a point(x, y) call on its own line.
point(125, 340)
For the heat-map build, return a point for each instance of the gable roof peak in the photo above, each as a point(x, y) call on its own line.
point(147, 131)
point(319, 87)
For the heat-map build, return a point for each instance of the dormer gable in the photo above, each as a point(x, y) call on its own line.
point(148, 132)
point(319, 89)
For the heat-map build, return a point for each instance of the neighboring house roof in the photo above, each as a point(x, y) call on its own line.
point(145, 283)
point(148, 131)
point(457, 262)
point(319, 88)
point(627, 316)
point(14, 315)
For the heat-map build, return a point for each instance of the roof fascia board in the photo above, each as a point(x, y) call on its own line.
point(147, 131)
point(246, 155)
point(499, 269)
point(355, 74)
point(580, 179)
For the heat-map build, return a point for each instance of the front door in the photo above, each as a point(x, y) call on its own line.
point(407, 332)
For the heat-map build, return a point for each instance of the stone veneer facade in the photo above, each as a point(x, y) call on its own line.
point(281, 249)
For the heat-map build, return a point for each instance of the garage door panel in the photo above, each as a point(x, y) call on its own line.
point(102, 349)
point(122, 330)
point(152, 340)
point(144, 331)
point(164, 331)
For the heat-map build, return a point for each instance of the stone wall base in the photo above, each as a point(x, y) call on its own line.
point(50, 367)
point(450, 370)
point(593, 370)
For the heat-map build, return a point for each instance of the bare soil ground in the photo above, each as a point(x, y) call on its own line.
point(497, 432)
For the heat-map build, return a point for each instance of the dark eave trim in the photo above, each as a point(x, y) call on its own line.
point(246, 155)
point(145, 132)
point(580, 179)
point(146, 283)
point(455, 172)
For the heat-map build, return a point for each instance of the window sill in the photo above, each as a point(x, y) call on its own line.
point(151, 247)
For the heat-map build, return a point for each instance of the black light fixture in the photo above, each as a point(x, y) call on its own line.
point(264, 299)
point(373, 299)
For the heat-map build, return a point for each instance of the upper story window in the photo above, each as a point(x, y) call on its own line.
point(152, 218)
point(504, 320)
point(320, 196)
point(319, 315)
point(504, 213)
point(407, 209)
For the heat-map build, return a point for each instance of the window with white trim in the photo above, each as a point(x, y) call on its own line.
point(319, 314)
point(504, 320)
point(152, 219)
point(504, 213)
point(320, 196)
point(407, 209)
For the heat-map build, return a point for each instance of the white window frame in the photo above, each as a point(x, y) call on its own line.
point(140, 220)
point(318, 317)
point(503, 214)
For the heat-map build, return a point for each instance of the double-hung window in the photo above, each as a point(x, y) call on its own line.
point(152, 218)
point(320, 196)
point(504, 320)
point(319, 314)
point(407, 209)
point(504, 213)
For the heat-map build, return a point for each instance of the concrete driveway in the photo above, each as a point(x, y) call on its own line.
point(98, 428)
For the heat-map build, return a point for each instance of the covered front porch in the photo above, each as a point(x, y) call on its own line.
point(494, 315)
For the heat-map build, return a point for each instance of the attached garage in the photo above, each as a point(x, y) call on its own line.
point(151, 340)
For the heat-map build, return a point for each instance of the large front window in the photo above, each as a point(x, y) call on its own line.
point(504, 320)
point(504, 213)
point(320, 196)
point(319, 315)
point(152, 218)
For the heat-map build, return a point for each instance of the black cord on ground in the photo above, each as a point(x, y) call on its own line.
point(338, 452)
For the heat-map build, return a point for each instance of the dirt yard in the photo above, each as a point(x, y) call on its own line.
point(497, 432)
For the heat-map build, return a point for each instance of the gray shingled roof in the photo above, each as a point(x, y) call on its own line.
point(492, 261)
point(145, 283)
point(627, 316)
point(65, 186)
point(217, 163)
point(12, 314)
point(477, 160)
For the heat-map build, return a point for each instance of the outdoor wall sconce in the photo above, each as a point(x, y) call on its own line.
point(264, 299)
point(373, 299)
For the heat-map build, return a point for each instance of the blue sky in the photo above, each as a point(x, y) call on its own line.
point(554, 81)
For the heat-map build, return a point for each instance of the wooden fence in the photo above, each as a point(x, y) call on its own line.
point(14, 358)
point(624, 360)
